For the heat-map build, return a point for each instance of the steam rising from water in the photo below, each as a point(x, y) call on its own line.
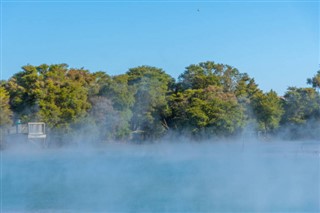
point(181, 177)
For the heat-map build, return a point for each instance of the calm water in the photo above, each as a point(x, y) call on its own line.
point(220, 177)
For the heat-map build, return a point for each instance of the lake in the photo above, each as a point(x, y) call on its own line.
point(163, 177)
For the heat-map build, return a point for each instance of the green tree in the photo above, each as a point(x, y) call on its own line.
point(315, 81)
point(5, 114)
point(208, 73)
point(101, 84)
point(111, 106)
point(25, 90)
point(206, 112)
point(301, 105)
point(268, 110)
point(5, 111)
point(246, 91)
point(108, 123)
point(64, 98)
point(151, 86)
point(208, 100)
point(51, 93)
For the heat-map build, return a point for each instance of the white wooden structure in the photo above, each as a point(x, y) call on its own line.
point(37, 132)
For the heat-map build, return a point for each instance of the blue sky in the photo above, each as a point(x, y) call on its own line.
point(275, 42)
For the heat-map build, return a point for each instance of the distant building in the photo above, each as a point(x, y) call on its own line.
point(36, 130)
point(37, 133)
point(32, 132)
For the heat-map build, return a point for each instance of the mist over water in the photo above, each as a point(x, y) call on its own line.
point(234, 176)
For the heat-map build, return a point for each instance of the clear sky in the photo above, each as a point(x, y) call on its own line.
point(275, 42)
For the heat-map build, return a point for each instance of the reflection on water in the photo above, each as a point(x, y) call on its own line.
point(219, 177)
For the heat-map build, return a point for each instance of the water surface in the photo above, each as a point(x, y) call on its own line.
point(188, 177)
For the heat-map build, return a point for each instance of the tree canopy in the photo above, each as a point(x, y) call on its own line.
point(145, 103)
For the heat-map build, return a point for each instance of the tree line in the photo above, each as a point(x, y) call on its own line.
point(207, 100)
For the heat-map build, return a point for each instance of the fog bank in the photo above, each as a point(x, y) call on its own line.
point(234, 176)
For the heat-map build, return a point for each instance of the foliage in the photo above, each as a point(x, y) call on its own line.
point(64, 99)
point(151, 86)
point(207, 111)
point(301, 105)
point(246, 91)
point(108, 122)
point(5, 115)
point(111, 107)
point(208, 100)
point(315, 81)
point(5, 111)
point(25, 90)
point(208, 73)
point(268, 110)
point(54, 94)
